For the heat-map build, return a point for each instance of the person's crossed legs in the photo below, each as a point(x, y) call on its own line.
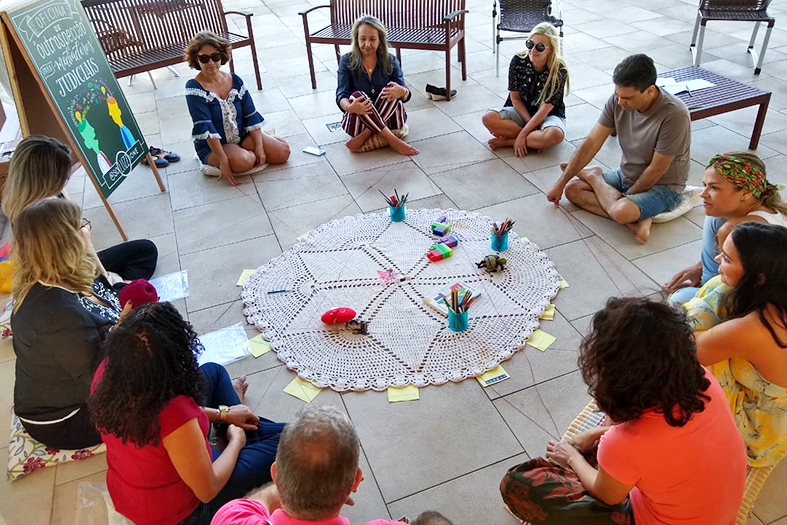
point(505, 125)
point(601, 193)
point(382, 114)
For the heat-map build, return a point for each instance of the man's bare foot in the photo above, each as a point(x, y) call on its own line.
point(403, 148)
point(356, 142)
point(641, 230)
point(240, 385)
point(500, 142)
point(563, 166)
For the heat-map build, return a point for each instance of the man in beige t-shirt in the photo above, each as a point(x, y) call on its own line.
point(654, 132)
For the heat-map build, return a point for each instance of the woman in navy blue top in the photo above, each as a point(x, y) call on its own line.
point(227, 126)
point(371, 89)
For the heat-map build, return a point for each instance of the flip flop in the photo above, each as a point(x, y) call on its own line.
point(167, 155)
point(158, 161)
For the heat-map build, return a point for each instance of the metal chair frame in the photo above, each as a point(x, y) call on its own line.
point(549, 7)
point(755, 14)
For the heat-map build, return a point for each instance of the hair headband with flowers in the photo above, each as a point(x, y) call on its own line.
point(742, 173)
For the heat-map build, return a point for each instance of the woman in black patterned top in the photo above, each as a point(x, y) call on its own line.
point(534, 115)
point(63, 308)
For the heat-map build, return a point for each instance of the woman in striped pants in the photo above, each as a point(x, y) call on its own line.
point(371, 90)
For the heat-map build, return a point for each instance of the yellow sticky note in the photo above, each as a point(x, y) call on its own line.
point(563, 284)
point(303, 390)
point(405, 393)
point(244, 276)
point(549, 313)
point(493, 376)
point(259, 346)
point(541, 340)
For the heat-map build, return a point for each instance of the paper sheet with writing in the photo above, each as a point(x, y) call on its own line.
point(244, 276)
point(172, 287)
point(687, 86)
point(224, 346)
point(493, 376)
point(303, 390)
point(549, 313)
point(405, 393)
point(541, 340)
point(259, 346)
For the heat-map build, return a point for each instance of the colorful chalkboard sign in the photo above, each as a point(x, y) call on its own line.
point(63, 49)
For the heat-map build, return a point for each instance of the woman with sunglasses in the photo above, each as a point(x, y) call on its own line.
point(534, 115)
point(226, 130)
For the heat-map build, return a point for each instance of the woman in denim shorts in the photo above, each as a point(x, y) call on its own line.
point(534, 115)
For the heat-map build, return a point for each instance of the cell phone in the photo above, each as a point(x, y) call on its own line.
point(312, 150)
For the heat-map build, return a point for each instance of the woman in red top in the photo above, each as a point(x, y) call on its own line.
point(672, 453)
point(150, 402)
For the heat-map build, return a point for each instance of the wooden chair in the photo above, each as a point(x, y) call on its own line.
point(737, 11)
point(141, 35)
point(431, 25)
point(521, 16)
point(591, 417)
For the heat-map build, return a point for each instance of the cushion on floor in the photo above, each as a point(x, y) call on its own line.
point(25, 454)
point(691, 198)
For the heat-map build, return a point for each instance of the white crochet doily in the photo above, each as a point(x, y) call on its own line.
point(336, 265)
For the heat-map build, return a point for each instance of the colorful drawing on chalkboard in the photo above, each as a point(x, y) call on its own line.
point(88, 134)
point(96, 101)
point(116, 114)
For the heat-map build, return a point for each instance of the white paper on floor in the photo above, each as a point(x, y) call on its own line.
point(172, 287)
point(224, 346)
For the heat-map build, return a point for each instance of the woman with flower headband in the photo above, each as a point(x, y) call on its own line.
point(736, 191)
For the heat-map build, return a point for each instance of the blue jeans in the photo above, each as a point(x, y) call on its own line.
point(710, 268)
point(656, 200)
point(253, 467)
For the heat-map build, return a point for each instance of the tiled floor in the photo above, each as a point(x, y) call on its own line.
point(448, 450)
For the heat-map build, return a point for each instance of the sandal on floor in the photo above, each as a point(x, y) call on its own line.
point(167, 155)
point(158, 161)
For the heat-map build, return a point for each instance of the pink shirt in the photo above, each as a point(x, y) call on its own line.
point(250, 512)
point(689, 475)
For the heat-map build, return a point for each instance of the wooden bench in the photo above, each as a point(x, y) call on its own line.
point(142, 35)
point(432, 25)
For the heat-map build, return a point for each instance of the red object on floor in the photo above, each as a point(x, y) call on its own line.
point(139, 292)
point(338, 315)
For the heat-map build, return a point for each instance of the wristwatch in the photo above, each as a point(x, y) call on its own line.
point(223, 411)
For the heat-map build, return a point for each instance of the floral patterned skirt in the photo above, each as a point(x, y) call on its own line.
point(538, 491)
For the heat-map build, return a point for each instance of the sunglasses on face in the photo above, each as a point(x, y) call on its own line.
point(216, 57)
point(539, 47)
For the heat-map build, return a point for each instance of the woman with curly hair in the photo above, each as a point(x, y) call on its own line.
point(534, 115)
point(370, 89)
point(671, 453)
point(736, 190)
point(227, 128)
point(62, 311)
point(740, 318)
point(153, 407)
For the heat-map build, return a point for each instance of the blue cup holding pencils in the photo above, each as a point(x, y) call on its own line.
point(397, 213)
point(500, 242)
point(500, 235)
point(457, 322)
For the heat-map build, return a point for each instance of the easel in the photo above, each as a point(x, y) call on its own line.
point(38, 113)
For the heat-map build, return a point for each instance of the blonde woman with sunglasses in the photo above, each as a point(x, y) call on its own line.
point(534, 115)
point(227, 127)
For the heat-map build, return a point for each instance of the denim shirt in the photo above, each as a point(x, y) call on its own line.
point(350, 81)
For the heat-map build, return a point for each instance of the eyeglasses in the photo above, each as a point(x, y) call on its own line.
point(216, 57)
point(539, 47)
